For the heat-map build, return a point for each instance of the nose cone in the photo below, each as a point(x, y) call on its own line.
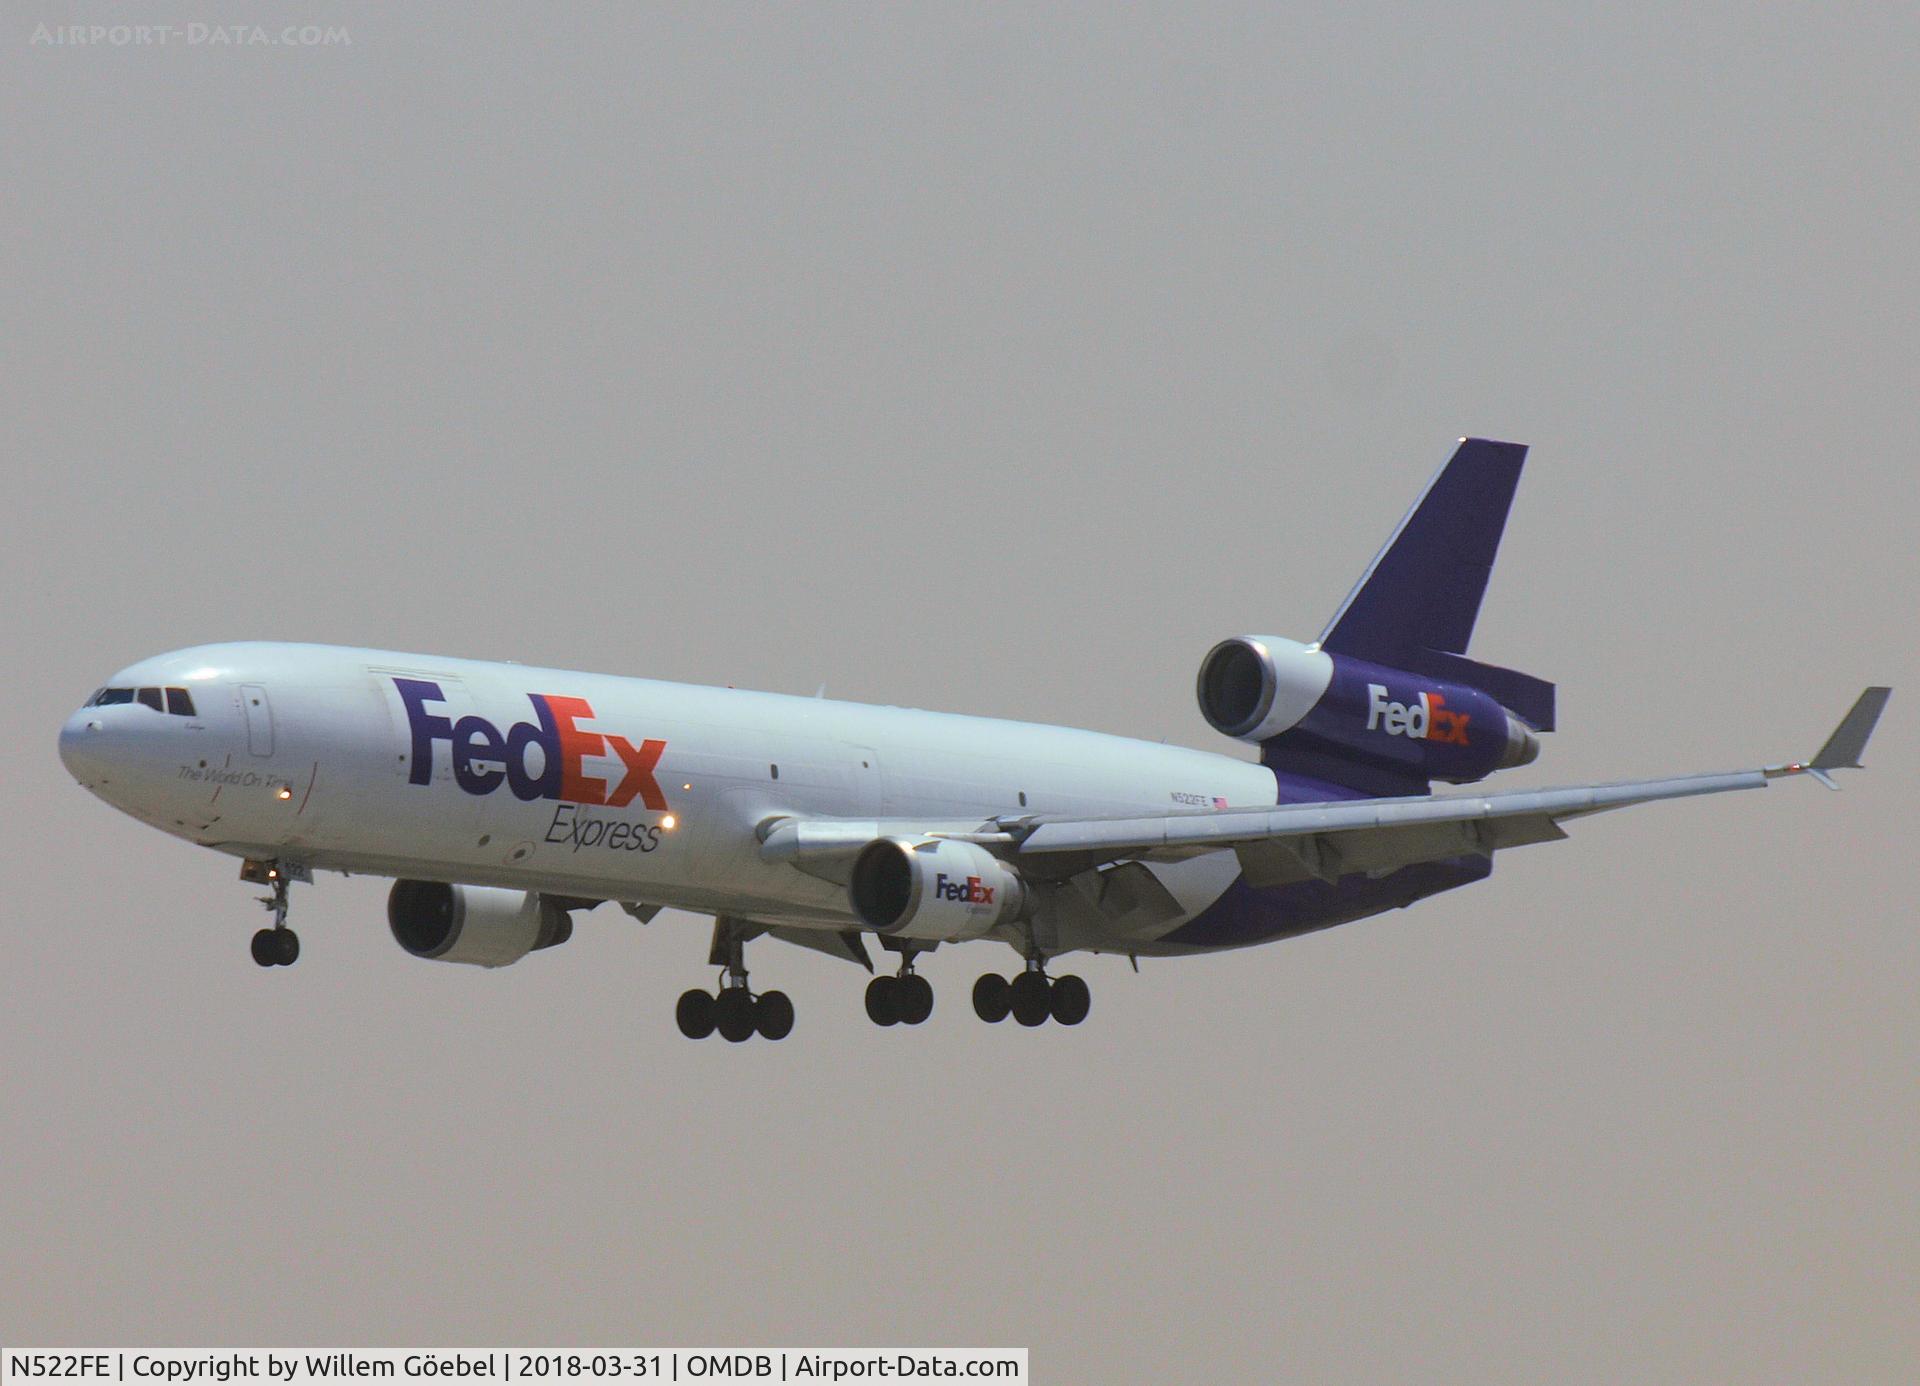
point(83, 747)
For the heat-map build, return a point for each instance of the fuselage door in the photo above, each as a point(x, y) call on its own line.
point(869, 795)
point(253, 699)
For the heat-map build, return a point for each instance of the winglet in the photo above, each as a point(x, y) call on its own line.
point(1849, 739)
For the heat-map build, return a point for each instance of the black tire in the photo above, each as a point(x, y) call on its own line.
point(1071, 1000)
point(286, 944)
point(694, 1014)
point(773, 1015)
point(1032, 998)
point(883, 1001)
point(265, 951)
point(991, 998)
point(733, 1015)
point(913, 995)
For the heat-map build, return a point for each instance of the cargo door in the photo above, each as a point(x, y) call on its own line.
point(253, 699)
point(869, 791)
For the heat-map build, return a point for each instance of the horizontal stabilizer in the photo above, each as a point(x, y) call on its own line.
point(1526, 697)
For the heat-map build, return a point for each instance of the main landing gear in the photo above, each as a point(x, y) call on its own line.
point(734, 1011)
point(905, 999)
point(1032, 997)
point(278, 946)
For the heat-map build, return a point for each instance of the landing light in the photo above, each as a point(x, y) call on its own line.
point(283, 793)
point(669, 822)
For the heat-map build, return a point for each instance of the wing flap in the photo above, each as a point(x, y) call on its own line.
point(1378, 850)
point(1278, 846)
point(1349, 826)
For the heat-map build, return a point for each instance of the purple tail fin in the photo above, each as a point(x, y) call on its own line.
point(1400, 639)
point(1415, 606)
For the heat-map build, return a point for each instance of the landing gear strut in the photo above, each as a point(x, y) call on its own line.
point(734, 1010)
point(278, 946)
point(903, 999)
point(1032, 997)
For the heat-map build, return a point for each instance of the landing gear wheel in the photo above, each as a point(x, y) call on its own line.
point(1030, 997)
point(286, 946)
point(913, 998)
point(694, 1014)
point(1071, 1000)
point(883, 1000)
point(773, 1015)
point(733, 1015)
point(265, 951)
point(992, 998)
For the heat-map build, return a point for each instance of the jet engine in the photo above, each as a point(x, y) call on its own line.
point(473, 924)
point(1256, 686)
point(932, 889)
point(1297, 698)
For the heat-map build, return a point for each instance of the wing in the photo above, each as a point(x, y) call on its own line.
point(1293, 842)
point(1330, 840)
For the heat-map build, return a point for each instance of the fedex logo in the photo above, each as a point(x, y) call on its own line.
point(1427, 720)
point(484, 757)
point(967, 892)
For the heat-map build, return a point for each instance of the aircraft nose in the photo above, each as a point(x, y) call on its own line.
point(83, 746)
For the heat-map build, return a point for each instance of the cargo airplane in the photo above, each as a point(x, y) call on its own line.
point(503, 800)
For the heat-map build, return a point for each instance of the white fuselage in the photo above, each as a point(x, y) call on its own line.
point(312, 755)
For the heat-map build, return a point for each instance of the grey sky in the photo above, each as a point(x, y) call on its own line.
point(997, 361)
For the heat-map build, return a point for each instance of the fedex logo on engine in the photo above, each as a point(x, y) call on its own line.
point(484, 757)
point(1429, 719)
point(967, 892)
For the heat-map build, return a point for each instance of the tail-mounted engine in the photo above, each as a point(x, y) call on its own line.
point(473, 924)
point(1266, 689)
point(933, 889)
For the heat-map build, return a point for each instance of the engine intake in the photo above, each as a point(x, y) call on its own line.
point(1256, 686)
point(933, 889)
point(473, 924)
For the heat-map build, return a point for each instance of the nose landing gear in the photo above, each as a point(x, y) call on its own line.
point(278, 946)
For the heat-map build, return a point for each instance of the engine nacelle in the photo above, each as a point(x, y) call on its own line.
point(936, 889)
point(1265, 689)
point(1256, 686)
point(473, 924)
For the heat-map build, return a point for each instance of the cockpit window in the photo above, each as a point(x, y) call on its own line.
point(177, 701)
